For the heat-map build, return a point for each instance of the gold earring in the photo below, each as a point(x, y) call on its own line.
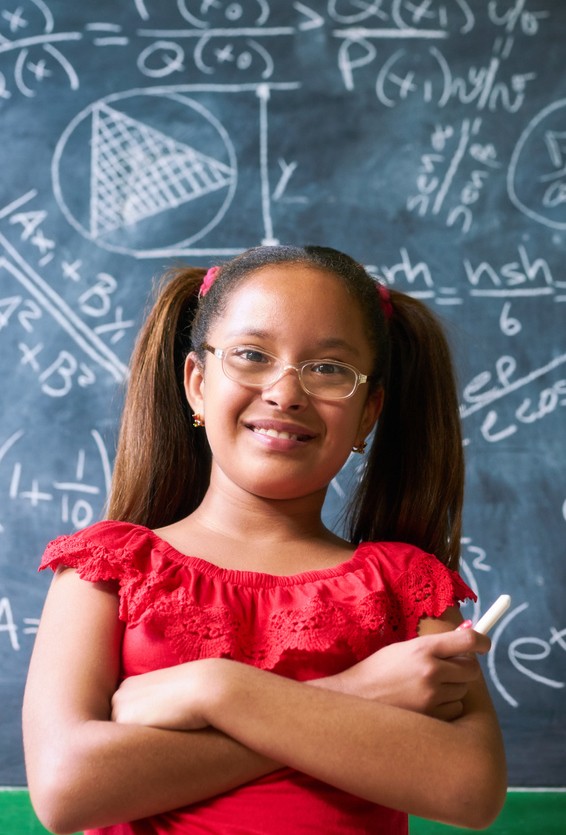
point(360, 448)
point(198, 420)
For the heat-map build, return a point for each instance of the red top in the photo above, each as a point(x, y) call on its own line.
point(179, 608)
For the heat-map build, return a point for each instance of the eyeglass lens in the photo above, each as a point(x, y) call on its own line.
point(321, 377)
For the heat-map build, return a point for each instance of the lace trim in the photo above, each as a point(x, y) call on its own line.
point(93, 561)
point(316, 627)
point(162, 600)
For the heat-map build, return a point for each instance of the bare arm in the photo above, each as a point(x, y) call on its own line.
point(138, 771)
point(450, 771)
point(71, 746)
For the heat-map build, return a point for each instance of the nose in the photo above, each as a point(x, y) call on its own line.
point(286, 392)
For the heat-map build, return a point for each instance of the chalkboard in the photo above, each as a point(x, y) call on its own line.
point(427, 139)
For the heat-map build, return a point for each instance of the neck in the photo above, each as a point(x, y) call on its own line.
point(241, 516)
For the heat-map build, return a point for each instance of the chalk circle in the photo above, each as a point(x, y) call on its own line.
point(536, 179)
point(144, 172)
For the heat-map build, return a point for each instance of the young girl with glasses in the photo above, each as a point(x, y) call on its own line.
point(214, 659)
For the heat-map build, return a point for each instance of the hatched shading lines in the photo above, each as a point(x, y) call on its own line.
point(137, 171)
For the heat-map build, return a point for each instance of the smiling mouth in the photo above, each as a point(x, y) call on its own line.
point(273, 433)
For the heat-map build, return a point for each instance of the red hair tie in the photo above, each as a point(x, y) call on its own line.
point(208, 281)
point(385, 299)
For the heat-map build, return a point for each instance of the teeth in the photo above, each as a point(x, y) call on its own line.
point(274, 434)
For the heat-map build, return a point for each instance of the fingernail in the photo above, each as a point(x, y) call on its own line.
point(464, 625)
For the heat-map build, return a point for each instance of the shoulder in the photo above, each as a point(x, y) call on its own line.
point(419, 583)
point(102, 551)
point(395, 559)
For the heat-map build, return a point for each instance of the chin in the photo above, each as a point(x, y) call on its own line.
point(286, 491)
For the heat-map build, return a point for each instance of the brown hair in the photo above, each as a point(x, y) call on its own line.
point(162, 465)
point(411, 489)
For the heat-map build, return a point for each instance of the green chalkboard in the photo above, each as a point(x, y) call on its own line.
point(428, 140)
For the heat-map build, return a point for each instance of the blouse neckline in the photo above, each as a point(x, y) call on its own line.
point(255, 578)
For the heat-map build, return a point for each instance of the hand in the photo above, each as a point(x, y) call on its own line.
point(429, 675)
point(172, 698)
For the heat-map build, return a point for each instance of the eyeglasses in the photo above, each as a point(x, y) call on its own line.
point(249, 366)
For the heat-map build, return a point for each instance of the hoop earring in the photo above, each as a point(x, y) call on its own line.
point(360, 448)
point(198, 420)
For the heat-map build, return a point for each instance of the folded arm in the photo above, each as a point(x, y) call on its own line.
point(147, 763)
point(452, 771)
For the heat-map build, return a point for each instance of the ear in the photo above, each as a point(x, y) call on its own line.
point(194, 383)
point(371, 412)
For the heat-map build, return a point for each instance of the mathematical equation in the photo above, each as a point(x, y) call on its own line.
point(234, 38)
point(78, 498)
point(524, 276)
point(489, 387)
point(425, 137)
point(228, 45)
point(439, 168)
point(29, 303)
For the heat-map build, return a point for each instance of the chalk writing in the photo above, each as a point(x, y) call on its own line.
point(138, 172)
point(440, 167)
point(525, 653)
point(540, 190)
point(7, 623)
point(477, 395)
point(44, 300)
point(27, 35)
point(227, 41)
point(426, 137)
point(10, 628)
point(78, 500)
point(398, 79)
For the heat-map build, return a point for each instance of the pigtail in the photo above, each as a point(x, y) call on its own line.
point(162, 463)
point(413, 484)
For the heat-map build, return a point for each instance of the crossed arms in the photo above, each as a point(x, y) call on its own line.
point(411, 727)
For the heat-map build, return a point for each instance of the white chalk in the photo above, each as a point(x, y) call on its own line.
point(490, 618)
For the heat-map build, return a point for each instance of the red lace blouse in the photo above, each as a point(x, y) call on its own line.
point(179, 608)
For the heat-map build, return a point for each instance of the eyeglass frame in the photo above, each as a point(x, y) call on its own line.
point(221, 353)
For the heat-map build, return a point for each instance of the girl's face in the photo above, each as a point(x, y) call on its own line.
point(296, 312)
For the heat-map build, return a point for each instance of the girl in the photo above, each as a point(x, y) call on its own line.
point(215, 659)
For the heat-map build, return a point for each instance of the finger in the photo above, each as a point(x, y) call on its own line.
point(448, 712)
point(452, 693)
point(459, 642)
point(445, 695)
point(459, 669)
point(467, 624)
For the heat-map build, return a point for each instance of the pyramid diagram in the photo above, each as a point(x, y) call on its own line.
point(138, 172)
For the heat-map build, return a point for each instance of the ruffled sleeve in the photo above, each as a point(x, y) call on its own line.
point(91, 551)
point(421, 586)
point(105, 551)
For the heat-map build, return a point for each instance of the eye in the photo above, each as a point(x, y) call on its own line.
point(328, 369)
point(243, 354)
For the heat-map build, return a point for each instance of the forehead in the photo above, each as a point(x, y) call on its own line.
point(281, 297)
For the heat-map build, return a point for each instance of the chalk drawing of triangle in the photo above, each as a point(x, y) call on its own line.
point(138, 172)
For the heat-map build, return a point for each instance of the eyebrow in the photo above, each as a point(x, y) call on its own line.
point(323, 345)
